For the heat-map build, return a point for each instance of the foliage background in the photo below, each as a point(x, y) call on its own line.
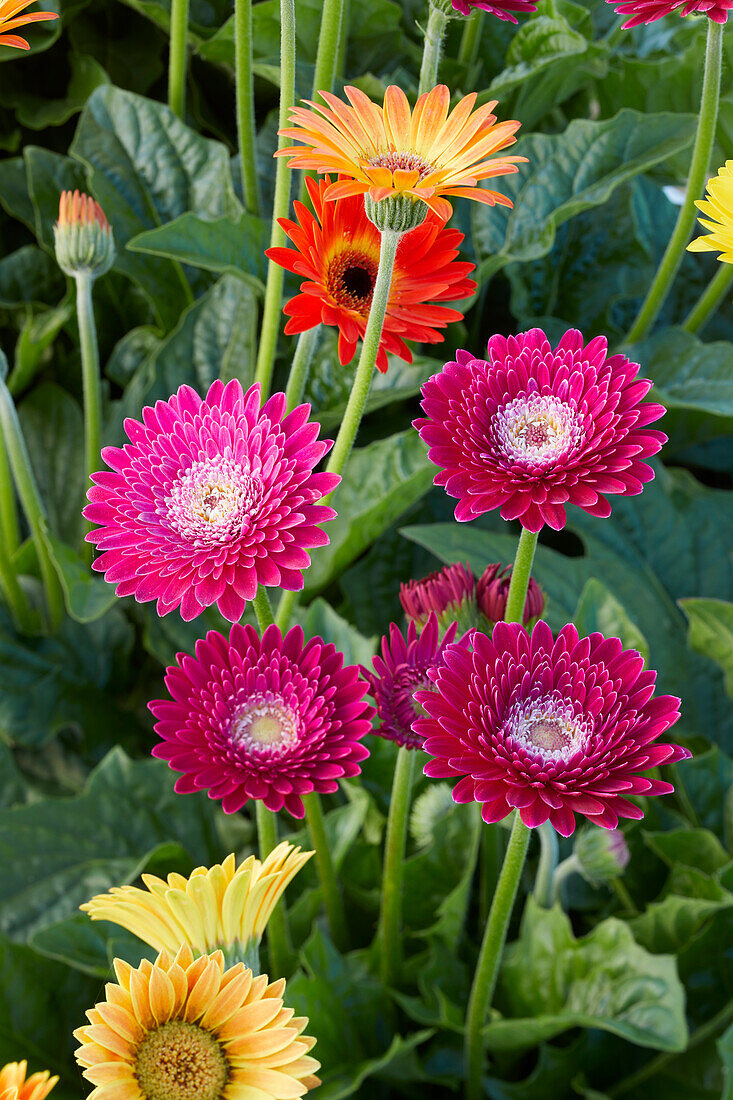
point(607, 122)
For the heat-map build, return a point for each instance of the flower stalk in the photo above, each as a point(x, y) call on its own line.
point(468, 49)
point(177, 59)
point(245, 104)
point(13, 593)
point(697, 176)
point(713, 296)
point(278, 939)
point(432, 48)
point(91, 382)
point(389, 932)
point(304, 351)
point(521, 572)
point(332, 900)
point(547, 867)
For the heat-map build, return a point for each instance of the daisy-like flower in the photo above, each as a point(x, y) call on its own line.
point(402, 670)
point(534, 428)
point(337, 253)
point(11, 20)
point(445, 592)
point(648, 11)
point(502, 9)
point(426, 154)
point(492, 592)
point(209, 499)
point(551, 727)
point(216, 907)
point(267, 718)
point(185, 1029)
point(719, 209)
point(15, 1085)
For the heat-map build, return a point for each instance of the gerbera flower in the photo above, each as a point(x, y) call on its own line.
point(400, 671)
point(719, 208)
point(502, 9)
point(178, 1028)
point(215, 907)
point(390, 151)
point(10, 20)
point(648, 11)
point(267, 718)
point(534, 428)
point(15, 1085)
point(492, 592)
point(210, 499)
point(337, 252)
point(446, 592)
point(551, 727)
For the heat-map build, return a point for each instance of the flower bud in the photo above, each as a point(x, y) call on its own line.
point(449, 592)
point(601, 854)
point(83, 238)
point(492, 591)
point(400, 213)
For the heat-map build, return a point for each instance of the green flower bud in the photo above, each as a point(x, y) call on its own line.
point(400, 213)
point(601, 854)
point(82, 235)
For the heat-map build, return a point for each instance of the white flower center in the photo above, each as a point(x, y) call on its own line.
point(264, 723)
point(210, 503)
point(536, 430)
point(547, 727)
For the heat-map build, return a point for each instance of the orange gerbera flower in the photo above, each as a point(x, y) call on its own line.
point(10, 20)
point(427, 153)
point(14, 1085)
point(337, 252)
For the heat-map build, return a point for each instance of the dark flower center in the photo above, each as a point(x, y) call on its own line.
point(350, 280)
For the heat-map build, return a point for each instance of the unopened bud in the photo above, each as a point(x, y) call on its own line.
point(400, 213)
point(492, 591)
point(83, 238)
point(601, 854)
point(449, 592)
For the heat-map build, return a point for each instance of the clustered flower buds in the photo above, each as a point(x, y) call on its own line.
point(82, 235)
point(456, 597)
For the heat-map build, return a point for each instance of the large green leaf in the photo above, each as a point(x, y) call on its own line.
point(551, 981)
point(146, 167)
point(687, 373)
point(599, 610)
point(87, 595)
point(37, 111)
point(48, 175)
point(27, 276)
point(57, 853)
point(53, 427)
point(691, 899)
point(711, 632)
point(321, 620)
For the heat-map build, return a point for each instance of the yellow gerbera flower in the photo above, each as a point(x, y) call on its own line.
point(386, 151)
point(215, 907)
point(14, 1085)
point(185, 1029)
point(719, 208)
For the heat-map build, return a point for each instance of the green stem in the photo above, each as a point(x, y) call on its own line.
point(468, 50)
point(389, 932)
point(656, 1065)
point(487, 968)
point(328, 46)
point(621, 891)
point(285, 607)
point(263, 609)
point(344, 37)
point(245, 102)
point(13, 593)
point(434, 34)
point(91, 382)
point(568, 867)
point(32, 504)
point(277, 926)
point(275, 273)
point(177, 57)
point(695, 182)
point(332, 899)
point(521, 573)
point(717, 290)
point(367, 359)
point(492, 852)
point(300, 366)
point(547, 865)
point(9, 527)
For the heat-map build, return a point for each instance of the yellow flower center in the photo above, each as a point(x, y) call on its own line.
point(550, 734)
point(265, 724)
point(181, 1061)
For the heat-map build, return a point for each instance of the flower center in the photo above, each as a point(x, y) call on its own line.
point(547, 727)
point(350, 280)
point(265, 724)
point(408, 162)
point(536, 430)
point(211, 502)
point(181, 1061)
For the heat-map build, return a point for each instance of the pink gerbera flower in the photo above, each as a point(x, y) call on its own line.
point(533, 428)
point(445, 590)
point(267, 718)
point(492, 593)
point(648, 11)
point(401, 670)
point(502, 9)
point(209, 499)
point(551, 727)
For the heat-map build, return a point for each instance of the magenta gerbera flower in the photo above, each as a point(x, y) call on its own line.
point(209, 499)
point(648, 11)
point(401, 670)
point(267, 718)
point(444, 590)
point(502, 9)
point(551, 727)
point(533, 428)
point(492, 593)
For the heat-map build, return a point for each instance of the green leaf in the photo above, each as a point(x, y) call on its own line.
point(380, 482)
point(36, 337)
point(59, 852)
point(711, 632)
point(140, 191)
point(687, 374)
point(670, 924)
point(569, 173)
point(321, 620)
point(708, 777)
point(37, 111)
point(598, 610)
point(226, 246)
point(48, 175)
point(12, 787)
point(696, 848)
point(14, 195)
point(53, 428)
point(87, 595)
point(27, 276)
point(725, 1049)
point(89, 946)
point(551, 982)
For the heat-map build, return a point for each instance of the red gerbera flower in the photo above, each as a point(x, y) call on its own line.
point(502, 9)
point(551, 727)
point(337, 252)
point(648, 11)
point(268, 718)
point(533, 428)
